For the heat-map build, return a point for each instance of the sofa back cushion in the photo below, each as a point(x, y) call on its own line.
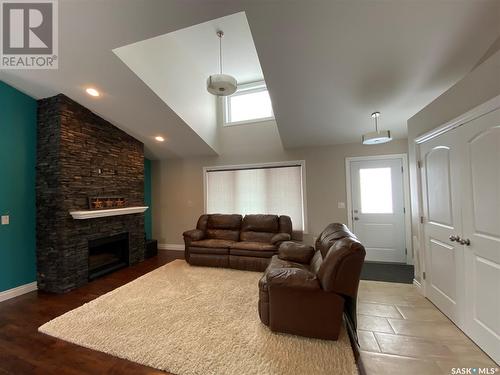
point(202, 223)
point(259, 228)
point(223, 227)
point(330, 235)
point(340, 269)
point(285, 225)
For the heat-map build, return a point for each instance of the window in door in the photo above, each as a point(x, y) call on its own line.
point(376, 190)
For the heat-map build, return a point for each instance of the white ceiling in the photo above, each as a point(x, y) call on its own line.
point(328, 64)
point(176, 65)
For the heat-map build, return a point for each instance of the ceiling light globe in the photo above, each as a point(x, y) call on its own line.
point(376, 138)
point(221, 84)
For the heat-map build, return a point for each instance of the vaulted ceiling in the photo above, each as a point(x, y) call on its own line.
point(328, 64)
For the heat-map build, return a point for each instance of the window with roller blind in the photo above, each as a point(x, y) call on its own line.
point(257, 189)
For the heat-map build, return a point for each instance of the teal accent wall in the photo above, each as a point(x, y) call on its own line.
point(17, 187)
point(148, 217)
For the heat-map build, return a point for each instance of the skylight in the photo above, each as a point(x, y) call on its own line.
point(251, 103)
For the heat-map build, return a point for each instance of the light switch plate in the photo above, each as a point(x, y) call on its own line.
point(5, 219)
point(341, 204)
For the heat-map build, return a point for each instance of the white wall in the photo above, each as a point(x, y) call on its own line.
point(178, 183)
point(480, 85)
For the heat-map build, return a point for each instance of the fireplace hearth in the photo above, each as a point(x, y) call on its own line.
point(108, 254)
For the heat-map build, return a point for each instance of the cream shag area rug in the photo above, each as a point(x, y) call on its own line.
point(196, 320)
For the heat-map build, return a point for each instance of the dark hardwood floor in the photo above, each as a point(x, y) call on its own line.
point(25, 351)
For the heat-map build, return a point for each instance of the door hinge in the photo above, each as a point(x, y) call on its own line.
point(404, 210)
point(423, 275)
point(402, 171)
point(421, 219)
point(419, 164)
point(406, 251)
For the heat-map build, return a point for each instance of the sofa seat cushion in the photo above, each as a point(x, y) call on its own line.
point(250, 236)
point(251, 253)
point(254, 246)
point(209, 251)
point(213, 243)
point(223, 234)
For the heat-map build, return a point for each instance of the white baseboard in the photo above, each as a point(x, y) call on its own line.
point(171, 246)
point(417, 284)
point(17, 291)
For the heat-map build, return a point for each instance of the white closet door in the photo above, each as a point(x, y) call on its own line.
point(444, 256)
point(480, 164)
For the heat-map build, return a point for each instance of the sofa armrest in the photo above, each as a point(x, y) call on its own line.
point(278, 238)
point(296, 252)
point(295, 278)
point(306, 310)
point(194, 234)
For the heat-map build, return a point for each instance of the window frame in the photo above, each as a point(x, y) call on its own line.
point(244, 89)
point(292, 163)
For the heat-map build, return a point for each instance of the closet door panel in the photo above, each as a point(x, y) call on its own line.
point(481, 218)
point(441, 201)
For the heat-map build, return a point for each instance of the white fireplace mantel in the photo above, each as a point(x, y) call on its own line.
point(90, 214)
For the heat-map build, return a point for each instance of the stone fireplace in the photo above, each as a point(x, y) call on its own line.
point(80, 155)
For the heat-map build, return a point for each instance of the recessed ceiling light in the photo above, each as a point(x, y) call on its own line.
point(92, 92)
point(159, 138)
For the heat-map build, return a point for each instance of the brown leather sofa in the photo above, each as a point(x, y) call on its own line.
point(233, 241)
point(306, 291)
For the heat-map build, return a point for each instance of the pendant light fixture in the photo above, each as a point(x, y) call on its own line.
point(221, 84)
point(378, 136)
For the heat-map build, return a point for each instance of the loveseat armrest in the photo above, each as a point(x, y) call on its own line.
point(278, 238)
point(295, 278)
point(194, 234)
point(296, 252)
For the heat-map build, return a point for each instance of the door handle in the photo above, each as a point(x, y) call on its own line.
point(356, 218)
point(454, 238)
point(465, 241)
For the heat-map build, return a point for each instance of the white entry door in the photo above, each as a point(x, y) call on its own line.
point(378, 212)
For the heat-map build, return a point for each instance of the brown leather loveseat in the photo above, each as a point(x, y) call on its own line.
point(305, 291)
point(247, 243)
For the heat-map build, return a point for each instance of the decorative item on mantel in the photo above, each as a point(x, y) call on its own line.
point(100, 203)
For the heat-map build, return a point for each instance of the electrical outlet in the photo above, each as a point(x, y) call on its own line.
point(341, 205)
point(5, 219)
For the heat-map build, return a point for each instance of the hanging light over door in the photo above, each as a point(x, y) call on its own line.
point(378, 136)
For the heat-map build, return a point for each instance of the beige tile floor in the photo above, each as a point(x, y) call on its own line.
point(401, 332)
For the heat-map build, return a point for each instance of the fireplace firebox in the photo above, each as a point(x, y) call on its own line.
point(108, 254)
